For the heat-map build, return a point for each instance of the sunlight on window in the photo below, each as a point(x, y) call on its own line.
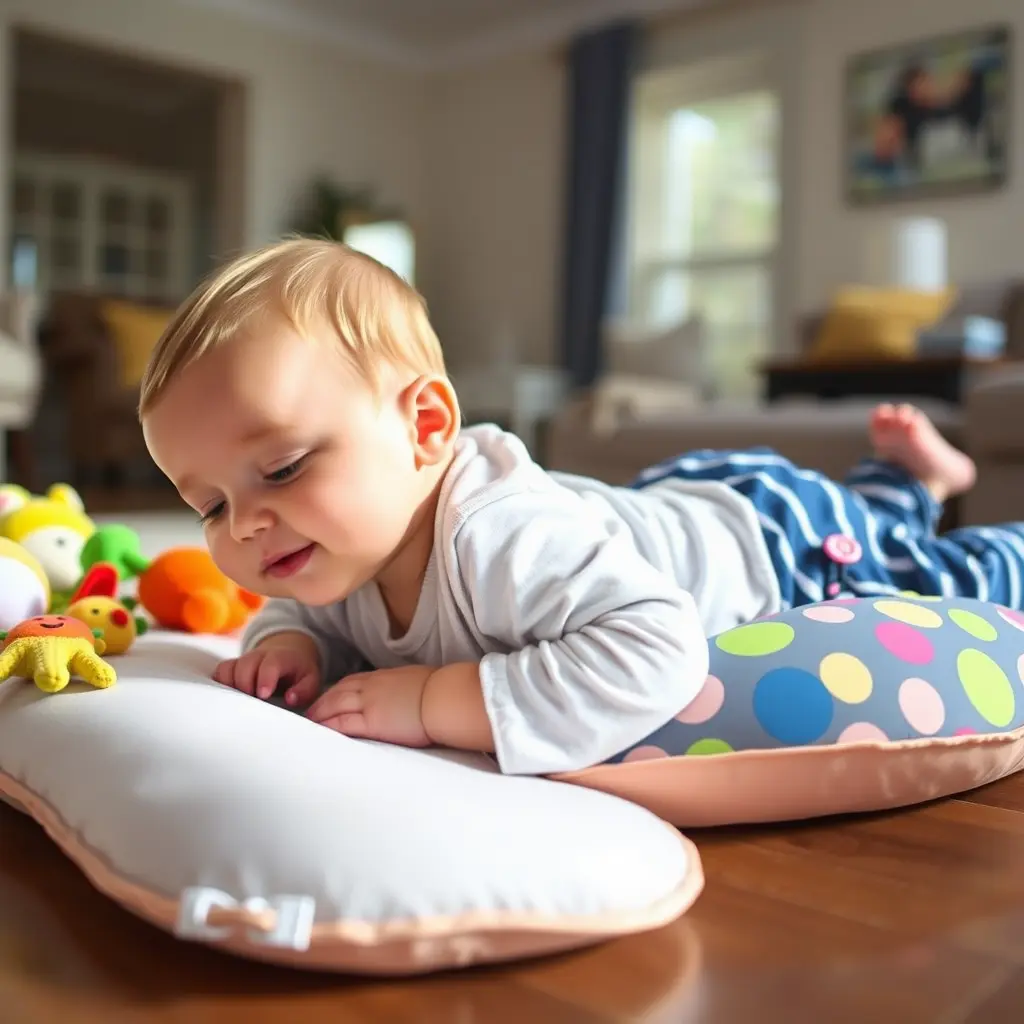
point(704, 211)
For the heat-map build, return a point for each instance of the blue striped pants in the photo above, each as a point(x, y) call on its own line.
point(890, 513)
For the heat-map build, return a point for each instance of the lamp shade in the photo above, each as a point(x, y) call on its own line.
point(910, 252)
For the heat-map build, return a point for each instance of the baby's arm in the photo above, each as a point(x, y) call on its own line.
point(600, 647)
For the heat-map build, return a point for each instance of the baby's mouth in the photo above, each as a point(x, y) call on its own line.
point(291, 562)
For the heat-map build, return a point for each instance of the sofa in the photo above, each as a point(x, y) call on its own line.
point(994, 436)
point(827, 436)
point(830, 436)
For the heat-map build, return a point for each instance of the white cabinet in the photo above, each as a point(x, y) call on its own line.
point(81, 224)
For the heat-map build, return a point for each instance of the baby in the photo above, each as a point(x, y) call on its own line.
point(431, 584)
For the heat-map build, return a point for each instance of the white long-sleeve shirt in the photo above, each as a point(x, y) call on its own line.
point(587, 606)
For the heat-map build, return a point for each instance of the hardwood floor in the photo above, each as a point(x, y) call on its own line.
point(914, 917)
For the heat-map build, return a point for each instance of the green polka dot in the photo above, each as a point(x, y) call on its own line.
point(709, 746)
point(986, 686)
point(757, 639)
point(979, 628)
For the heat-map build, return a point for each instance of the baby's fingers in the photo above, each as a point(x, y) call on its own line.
point(340, 699)
point(267, 678)
point(224, 673)
point(244, 674)
point(303, 691)
point(351, 724)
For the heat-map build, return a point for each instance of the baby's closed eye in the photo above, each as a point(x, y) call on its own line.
point(215, 511)
point(279, 476)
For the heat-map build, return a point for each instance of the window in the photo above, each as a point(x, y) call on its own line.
point(704, 213)
point(81, 224)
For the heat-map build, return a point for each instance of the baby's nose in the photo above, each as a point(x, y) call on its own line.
point(246, 523)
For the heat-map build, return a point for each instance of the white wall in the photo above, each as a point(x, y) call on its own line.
point(311, 108)
point(986, 232)
point(493, 184)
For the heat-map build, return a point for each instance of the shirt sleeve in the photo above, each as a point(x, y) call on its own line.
point(598, 647)
point(324, 626)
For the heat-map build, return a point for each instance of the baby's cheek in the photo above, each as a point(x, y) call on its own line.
point(229, 557)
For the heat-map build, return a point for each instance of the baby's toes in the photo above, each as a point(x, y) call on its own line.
point(907, 415)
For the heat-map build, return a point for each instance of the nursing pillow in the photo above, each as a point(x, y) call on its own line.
point(233, 822)
point(849, 705)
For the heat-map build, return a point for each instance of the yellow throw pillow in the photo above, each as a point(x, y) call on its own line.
point(135, 330)
point(878, 323)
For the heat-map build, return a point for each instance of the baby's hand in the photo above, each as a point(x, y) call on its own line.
point(260, 671)
point(383, 705)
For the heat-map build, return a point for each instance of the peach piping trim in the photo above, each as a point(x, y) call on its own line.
point(163, 910)
point(807, 753)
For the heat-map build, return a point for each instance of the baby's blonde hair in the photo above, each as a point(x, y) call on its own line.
point(376, 317)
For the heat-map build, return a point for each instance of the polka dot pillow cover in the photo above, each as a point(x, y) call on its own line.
point(854, 704)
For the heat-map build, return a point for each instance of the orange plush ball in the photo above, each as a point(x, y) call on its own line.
point(183, 589)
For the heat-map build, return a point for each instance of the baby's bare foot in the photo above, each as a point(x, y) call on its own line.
point(904, 435)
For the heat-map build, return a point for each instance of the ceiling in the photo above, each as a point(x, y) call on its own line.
point(441, 33)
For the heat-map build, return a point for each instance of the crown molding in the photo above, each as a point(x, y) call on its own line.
point(339, 32)
point(530, 35)
point(517, 36)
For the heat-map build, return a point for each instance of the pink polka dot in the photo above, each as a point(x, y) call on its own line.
point(905, 642)
point(706, 704)
point(966, 730)
point(1014, 618)
point(862, 732)
point(648, 753)
point(828, 613)
point(922, 706)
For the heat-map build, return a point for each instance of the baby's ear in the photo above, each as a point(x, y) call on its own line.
point(434, 417)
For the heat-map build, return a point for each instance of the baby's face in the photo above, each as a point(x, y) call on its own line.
point(305, 480)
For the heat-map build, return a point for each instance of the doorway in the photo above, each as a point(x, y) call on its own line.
point(126, 182)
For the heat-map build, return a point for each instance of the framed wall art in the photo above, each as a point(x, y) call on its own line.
point(929, 117)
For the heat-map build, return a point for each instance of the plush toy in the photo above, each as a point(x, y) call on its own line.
point(183, 589)
point(116, 545)
point(53, 529)
point(95, 603)
point(48, 649)
point(24, 588)
point(11, 497)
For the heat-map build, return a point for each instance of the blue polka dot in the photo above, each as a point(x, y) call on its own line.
point(793, 706)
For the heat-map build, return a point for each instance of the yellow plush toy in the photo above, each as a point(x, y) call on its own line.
point(50, 648)
point(11, 497)
point(53, 529)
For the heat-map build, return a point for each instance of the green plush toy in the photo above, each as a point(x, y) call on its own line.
point(118, 546)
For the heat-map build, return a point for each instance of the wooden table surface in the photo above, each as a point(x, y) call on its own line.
point(908, 917)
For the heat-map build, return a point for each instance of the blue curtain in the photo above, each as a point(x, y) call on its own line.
point(600, 71)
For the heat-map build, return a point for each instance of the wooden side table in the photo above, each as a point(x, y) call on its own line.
point(944, 378)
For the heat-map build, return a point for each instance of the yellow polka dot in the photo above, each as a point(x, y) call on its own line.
point(847, 678)
point(911, 614)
